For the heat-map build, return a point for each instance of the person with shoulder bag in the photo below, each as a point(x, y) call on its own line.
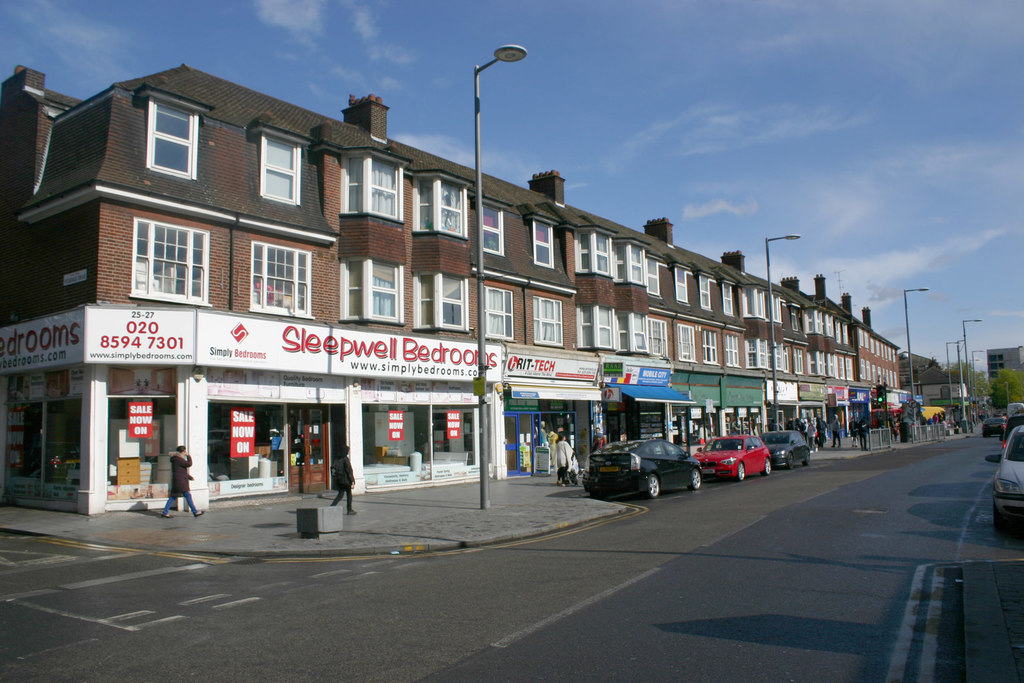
point(344, 478)
point(180, 478)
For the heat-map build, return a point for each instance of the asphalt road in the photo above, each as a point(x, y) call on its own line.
point(843, 571)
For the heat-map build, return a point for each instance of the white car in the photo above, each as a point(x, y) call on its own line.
point(1008, 484)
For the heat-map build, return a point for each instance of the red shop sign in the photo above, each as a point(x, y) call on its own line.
point(454, 424)
point(243, 432)
point(396, 425)
point(140, 419)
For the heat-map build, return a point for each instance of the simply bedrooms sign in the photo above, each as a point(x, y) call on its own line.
point(43, 343)
point(234, 341)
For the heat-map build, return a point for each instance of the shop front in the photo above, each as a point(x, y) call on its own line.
point(545, 396)
point(743, 398)
point(706, 418)
point(837, 404)
point(812, 399)
point(638, 401)
point(860, 404)
point(788, 401)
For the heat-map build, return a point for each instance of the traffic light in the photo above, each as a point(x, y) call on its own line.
point(880, 397)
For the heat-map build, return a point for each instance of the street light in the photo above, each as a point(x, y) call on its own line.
point(906, 319)
point(967, 353)
point(974, 369)
point(505, 53)
point(771, 318)
point(949, 381)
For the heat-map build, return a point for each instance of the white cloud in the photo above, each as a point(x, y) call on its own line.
point(299, 17)
point(746, 208)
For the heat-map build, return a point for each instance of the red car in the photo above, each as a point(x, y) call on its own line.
point(735, 456)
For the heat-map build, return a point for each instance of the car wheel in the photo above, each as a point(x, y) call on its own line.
point(595, 494)
point(789, 461)
point(653, 486)
point(767, 467)
point(741, 472)
point(998, 521)
point(696, 479)
point(807, 459)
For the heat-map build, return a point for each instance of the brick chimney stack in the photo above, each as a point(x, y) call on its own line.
point(549, 184)
point(865, 315)
point(23, 78)
point(819, 287)
point(734, 259)
point(847, 303)
point(791, 283)
point(369, 113)
point(659, 228)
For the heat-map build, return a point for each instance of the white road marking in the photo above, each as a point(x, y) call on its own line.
point(82, 617)
point(132, 576)
point(130, 615)
point(235, 603)
point(27, 594)
point(522, 633)
point(205, 598)
point(332, 573)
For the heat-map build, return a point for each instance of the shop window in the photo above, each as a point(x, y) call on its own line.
point(244, 442)
point(141, 432)
point(42, 449)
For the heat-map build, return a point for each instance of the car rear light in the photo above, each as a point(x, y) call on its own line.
point(634, 462)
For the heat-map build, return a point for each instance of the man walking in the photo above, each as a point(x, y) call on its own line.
point(344, 478)
point(834, 427)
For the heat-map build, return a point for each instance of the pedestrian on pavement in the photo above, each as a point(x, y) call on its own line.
point(180, 478)
point(854, 431)
point(809, 434)
point(834, 426)
point(863, 433)
point(820, 427)
point(563, 454)
point(344, 479)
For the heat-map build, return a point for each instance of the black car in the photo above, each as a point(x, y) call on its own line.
point(1011, 422)
point(993, 426)
point(640, 467)
point(786, 448)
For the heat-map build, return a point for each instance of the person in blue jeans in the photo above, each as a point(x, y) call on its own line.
point(180, 478)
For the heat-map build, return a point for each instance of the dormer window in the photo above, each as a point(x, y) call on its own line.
point(494, 231)
point(629, 264)
point(754, 303)
point(594, 254)
point(441, 206)
point(543, 245)
point(374, 186)
point(172, 140)
point(653, 277)
point(705, 292)
point(682, 294)
point(728, 307)
point(279, 170)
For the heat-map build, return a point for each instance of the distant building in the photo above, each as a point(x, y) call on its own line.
point(1005, 359)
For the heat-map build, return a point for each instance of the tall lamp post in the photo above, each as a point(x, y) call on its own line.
point(505, 53)
point(949, 380)
point(906, 319)
point(967, 359)
point(771, 318)
point(974, 369)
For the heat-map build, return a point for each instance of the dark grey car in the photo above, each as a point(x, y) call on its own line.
point(640, 467)
point(786, 448)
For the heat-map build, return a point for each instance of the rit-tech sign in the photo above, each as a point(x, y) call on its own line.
point(234, 341)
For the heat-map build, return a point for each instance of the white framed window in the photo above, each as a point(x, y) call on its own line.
point(682, 295)
point(441, 301)
point(758, 353)
point(494, 230)
point(543, 245)
point(705, 292)
point(777, 309)
point(279, 170)
point(657, 331)
point(653, 277)
point(728, 305)
point(710, 340)
point(441, 206)
point(372, 290)
point(782, 357)
point(754, 303)
point(171, 262)
point(686, 345)
point(374, 186)
point(280, 280)
point(794, 318)
point(499, 313)
point(594, 253)
point(632, 332)
point(547, 321)
point(798, 361)
point(172, 140)
point(596, 327)
point(819, 322)
point(849, 369)
point(732, 350)
point(629, 263)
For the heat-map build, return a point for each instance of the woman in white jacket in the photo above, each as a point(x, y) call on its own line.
point(563, 454)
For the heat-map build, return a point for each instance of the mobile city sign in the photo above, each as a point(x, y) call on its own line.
point(238, 341)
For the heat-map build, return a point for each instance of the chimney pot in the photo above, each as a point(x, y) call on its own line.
point(369, 113)
point(549, 184)
point(659, 228)
point(735, 259)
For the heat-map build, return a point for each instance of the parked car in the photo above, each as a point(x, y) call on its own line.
point(646, 467)
point(786, 448)
point(1008, 483)
point(1011, 422)
point(993, 426)
point(735, 456)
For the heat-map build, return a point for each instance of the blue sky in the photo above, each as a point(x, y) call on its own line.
point(888, 134)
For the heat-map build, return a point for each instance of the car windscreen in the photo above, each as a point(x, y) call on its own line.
point(726, 445)
point(775, 438)
point(1015, 449)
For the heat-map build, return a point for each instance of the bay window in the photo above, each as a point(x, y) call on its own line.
point(374, 186)
point(596, 325)
point(632, 332)
point(594, 254)
point(441, 206)
point(629, 263)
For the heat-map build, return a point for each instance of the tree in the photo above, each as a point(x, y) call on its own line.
point(1007, 387)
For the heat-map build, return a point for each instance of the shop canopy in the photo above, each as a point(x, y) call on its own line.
point(656, 394)
point(556, 392)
